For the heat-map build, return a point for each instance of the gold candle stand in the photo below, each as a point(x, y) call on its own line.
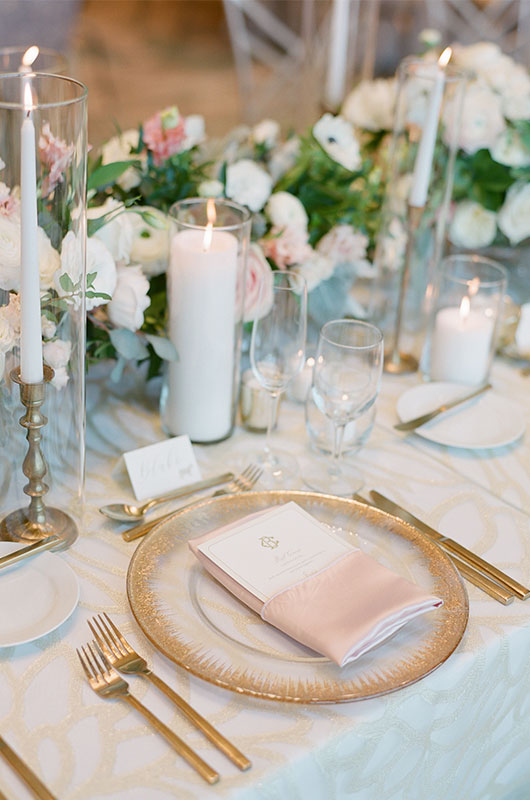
point(37, 522)
point(397, 363)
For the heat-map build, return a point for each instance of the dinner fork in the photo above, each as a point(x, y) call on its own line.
point(123, 657)
point(241, 483)
point(106, 682)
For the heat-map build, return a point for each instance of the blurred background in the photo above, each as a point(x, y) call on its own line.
point(242, 60)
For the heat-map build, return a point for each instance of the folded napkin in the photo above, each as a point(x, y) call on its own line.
point(342, 610)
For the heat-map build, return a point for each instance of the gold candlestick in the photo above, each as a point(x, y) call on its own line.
point(36, 522)
point(395, 362)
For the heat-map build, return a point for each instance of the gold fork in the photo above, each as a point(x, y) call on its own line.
point(241, 483)
point(106, 682)
point(123, 657)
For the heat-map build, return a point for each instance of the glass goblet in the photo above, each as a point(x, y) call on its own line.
point(346, 381)
point(277, 351)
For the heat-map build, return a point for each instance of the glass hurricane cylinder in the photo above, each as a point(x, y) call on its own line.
point(464, 320)
point(418, 192)
point(55, 154)
point(49, 61)
point(206, 280)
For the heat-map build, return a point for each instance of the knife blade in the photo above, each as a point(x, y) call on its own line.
point(457, 549)
point(412, 424)
point(31, 550)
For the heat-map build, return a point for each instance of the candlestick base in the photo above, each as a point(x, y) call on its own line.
point(399, 363)
point(17, 527)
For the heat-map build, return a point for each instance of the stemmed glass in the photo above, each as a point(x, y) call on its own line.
point(277, 352)
point(346, 381)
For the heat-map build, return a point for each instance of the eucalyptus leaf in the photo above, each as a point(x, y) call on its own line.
point(109, 173)
point(128, 344)
point(117, 370)
point(66, 282)
point(163, 347)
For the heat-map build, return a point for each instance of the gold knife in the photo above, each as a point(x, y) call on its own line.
point(412, 424)
point(28, 776)
point(469, 573)
point(31, 550)
point(461, 552)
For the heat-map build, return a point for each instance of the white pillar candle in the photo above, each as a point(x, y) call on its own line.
point(338, 53)
point(424, 156)
point(461, 345)
point(301, 382)
point(30, 311)
point(202, 317)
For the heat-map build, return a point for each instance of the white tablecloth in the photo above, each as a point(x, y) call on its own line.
point(461, 732)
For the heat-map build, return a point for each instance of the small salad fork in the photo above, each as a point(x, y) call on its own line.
point(106, 682)
point(123, 657)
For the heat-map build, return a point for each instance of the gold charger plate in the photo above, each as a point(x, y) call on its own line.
point(199, 625)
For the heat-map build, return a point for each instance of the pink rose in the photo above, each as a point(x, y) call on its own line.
point(164, 134)
point(9, 205)
point(258, 287)
point(287, 246)
point(54, 154)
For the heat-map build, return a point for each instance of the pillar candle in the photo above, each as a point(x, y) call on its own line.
point(461, 345)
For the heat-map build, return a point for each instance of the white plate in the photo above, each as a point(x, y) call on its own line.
point(39, 594)
point(489, 420)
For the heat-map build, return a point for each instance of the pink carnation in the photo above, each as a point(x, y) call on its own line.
point(54, 154)
point(163, 141)
point(287, 246)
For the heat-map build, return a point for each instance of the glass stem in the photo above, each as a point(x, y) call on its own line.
point(273, 407)
point(338, 439)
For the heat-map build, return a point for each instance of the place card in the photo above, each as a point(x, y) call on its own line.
point(275, 549)
point(162, 467)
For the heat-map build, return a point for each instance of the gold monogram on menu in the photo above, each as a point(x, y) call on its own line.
point(269, 541)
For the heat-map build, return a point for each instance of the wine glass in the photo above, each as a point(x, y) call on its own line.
point(346, 381)
point(277, 352)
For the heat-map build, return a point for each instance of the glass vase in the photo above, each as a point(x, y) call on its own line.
point(57, 148)
point(414, 215)
point(206, 280)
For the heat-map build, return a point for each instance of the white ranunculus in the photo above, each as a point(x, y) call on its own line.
point(9, 253)
point(194, 130)
point(248, 184)
point(119, 149)
point(266, 132)
point(211, 188)
point(514, 216)
point(343, 245)
point(509, 149)
point(482, 119)
point(100, 261)
point(57, 354)
point(130, 299)
point(336, 136)
point(286, 211)
point(315, 269)
point(476, 58)
point(117, 233)
point(472, 225)
point(284, 158)
point(150, 246)
point(7, 335)
point(516, 95)
point(371, 104)
point(71, 261)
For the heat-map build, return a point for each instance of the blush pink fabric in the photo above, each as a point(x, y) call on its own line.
point(342, 611)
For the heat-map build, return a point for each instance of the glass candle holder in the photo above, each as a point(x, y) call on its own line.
point(49, 61)
point(464, 320)
point(206, 281)
point(414, 216)
point(42, 283)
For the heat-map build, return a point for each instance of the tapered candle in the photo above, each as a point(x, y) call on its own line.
point(424, 157)
point(30, 311)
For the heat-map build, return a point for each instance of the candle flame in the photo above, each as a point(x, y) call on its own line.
point(28, 98)
point(208, 233)
point(474, 286)
point(444, 59)
point(30, 55)
point(465, 307)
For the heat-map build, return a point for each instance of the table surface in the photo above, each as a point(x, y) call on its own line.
point(461, 732)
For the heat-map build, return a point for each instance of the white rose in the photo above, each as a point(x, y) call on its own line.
point(371, 105)
point(315, 269)
point(194, 130)
point(150, 245)
point(129, 301)
point(266, 132)
point(472, 225)
point(100, 261)
point(284, 158)
point(482, 119)
point(7, 335)
point(335, 135)
point(57, 354)
point(117, 233)
point(119, 149)
point(11, 313)
point(49, 259)
point(9, 253)
point(49, 328)
point(248, 184)
point(286, 211)
point(258, 285)
point(509, 150)
point(211, 188)
point(476, 58)
point(391, 248)
point(343, 245)
point(516, 94)
point(514, 216)
point(71, 262)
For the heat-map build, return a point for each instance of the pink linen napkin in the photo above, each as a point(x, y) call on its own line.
point(342, 611)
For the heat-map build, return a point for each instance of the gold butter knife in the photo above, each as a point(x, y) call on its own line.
point(28, 776)
point(461, 552)
point(412, 424)
point(31, 550)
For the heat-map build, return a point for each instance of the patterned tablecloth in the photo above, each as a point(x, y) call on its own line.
point(461, 732)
